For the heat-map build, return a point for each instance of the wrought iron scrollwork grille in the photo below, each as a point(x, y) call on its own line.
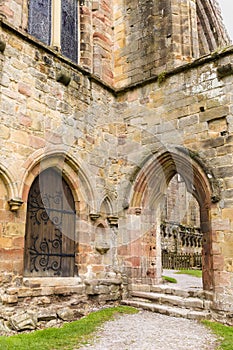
point(42, 254)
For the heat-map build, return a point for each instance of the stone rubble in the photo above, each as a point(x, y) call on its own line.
point(39, 313)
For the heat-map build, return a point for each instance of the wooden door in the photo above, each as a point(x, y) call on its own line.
point(50, 227)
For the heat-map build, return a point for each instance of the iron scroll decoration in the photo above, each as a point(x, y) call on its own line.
point(47, 254)
point(41, 254)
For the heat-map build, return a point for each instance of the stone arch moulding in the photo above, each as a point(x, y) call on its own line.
point(106, 205)
point(150, 185)
point(9, 179)
point(154, 175)
point(73, 171)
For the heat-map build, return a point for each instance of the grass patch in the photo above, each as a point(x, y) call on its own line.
point(224, 333)
point(195, 273)
point(71, 334)
point(169, 279)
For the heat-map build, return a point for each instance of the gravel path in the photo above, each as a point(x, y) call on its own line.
point(184, 281)
point(151, 331)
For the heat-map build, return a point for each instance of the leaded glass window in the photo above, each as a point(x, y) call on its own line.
point(69, 30)
point(40, 20)
point(59, 27)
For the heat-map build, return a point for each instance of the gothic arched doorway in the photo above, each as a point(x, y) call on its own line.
point(50, 227)
point(150, 186)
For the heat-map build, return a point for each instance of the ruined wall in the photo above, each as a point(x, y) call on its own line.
point(179, 205)
point(118, 150)
point(95, 33)
point(211, 31)
point(42, 121)
point(191, 109)
point(103, 32)
point(15, 12)
point(124, 42)
point(142, 39)
point(155, 36)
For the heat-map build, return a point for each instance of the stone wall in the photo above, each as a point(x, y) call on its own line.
point(124, 42)
point(179, 206)
point(117, 149)
point(95, 33)
point(198, 118)
point(154, 36)
point(43, 119)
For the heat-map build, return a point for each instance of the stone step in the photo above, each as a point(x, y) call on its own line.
point(188, 302)
point(169, 310)
point(168, 289)
point(173, 289)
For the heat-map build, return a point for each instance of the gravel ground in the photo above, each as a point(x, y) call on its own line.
point(184, 281)
point(151, 331)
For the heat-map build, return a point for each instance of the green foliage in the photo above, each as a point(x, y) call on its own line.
point(224, 333)
point(162, 77)
point(65, 338)
point(169, 279)
point(195, 273)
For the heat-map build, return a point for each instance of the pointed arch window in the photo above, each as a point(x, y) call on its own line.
point(55, 23)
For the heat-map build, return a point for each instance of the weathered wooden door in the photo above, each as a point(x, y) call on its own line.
point(50, 227)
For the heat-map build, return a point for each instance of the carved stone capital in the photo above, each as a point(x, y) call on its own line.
point(102, 249)
point(94, 216)
point(113, 220)
point(138, 211)
point(64, 78)
point(15, 204)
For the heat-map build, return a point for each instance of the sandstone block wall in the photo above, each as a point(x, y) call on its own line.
point(124, 42)
point(154, 36)
point(118, 149)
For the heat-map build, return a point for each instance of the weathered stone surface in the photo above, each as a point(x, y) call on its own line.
point(44, 300)
point(47, 314)
point(66, 314)
point(23, 321)
point(133, 115)
point(9, 299)
point(4, 327)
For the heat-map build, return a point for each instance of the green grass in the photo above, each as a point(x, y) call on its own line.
point(169, 279)
point(224, 333)
point(66, 338)
point(195, 273)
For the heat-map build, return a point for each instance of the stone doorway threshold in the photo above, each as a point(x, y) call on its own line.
point(183, 281)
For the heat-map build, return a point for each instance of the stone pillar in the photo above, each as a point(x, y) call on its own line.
point(85, 42)
point(102, 17)
point(184, 35)
point(207, 257)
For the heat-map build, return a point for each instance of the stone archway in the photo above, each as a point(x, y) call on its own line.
point(150, 186)
point(77, 179)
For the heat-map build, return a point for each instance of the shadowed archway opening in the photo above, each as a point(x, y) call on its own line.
point(181, 236)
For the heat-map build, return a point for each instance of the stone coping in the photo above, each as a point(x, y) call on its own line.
point(51, 281)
